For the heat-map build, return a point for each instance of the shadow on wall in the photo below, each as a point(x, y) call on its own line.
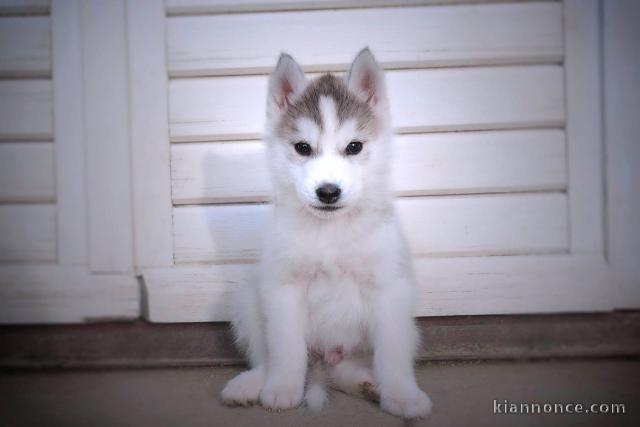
point(235, 233)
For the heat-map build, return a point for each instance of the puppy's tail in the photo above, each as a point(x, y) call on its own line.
point(316, 396)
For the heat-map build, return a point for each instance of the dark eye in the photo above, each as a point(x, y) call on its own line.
point(353, 148)
point(303, 148)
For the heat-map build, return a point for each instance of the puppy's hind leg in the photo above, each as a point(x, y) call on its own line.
point(353, 375)
point(244, 389)
point(316, 396)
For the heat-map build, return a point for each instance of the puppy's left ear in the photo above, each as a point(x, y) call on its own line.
point(366, 79)
point(285, 83)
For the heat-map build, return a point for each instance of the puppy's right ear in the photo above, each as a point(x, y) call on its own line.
point(285, 83)
point(366, 79)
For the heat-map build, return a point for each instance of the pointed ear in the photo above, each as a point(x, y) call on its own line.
point(366, 79)
point(285, 83)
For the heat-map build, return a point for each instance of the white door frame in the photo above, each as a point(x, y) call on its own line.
point(575, 281)
point(92, 278)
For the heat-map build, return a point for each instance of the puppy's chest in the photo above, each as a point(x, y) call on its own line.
point(338, 304)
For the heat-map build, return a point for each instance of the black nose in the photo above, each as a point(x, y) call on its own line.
point(328, 193)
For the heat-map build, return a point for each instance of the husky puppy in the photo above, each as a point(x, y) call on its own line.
point(334, 300)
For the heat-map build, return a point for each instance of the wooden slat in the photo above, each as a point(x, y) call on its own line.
point(399, 37)
point(62, 294)
point(187, 294)
point(27, 172)
point(438, 226)
point(448, 286)
point(107, 144)
point(24, 7)
point(423, 164)
point(27, 232)
point(433, 100)
point(189, 7)
point(26, 46)
point(219, 233)
point(149, 130)
point(480, 162)
point(485, 225)
point(219, 173)
point(26, 109)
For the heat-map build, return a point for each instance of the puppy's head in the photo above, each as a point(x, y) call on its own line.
point(328, 138)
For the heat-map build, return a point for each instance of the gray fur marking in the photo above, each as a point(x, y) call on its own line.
point(348, 106)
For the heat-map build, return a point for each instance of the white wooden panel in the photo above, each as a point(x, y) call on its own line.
point(27, 232)
point(622, 86)
point(26, 109)
point(479, 162)
point(490, 225)
point(69, 133)
point(448, 286)
point(22, 7)
point(400, 38)
point(423, 164)
point(438, 226)
point(107, 136)
point(421, 100)
point(26, 46)
point(193, 294)
point(219, 172)
point(185, 7)
point(27, 172)
point(149, 133)
point(219, 233)
point(584, 126)
point(55, 294)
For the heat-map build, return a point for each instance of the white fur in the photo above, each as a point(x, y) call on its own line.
point(330, 280)
point(316, 396)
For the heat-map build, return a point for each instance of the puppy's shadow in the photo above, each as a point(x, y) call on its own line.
point(235, 220)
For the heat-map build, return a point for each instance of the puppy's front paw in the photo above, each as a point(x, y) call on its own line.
point(280, 395)
point(243, 390)
point(406, 401)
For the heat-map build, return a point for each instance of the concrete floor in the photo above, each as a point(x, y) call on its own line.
point(462, 395)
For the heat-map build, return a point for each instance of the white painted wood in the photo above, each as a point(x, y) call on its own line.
point(226, 233)
point(584, 126)
point(622, 105)
point(448, 286)
point(479, 162)
point(69, 133)
point(27, 172)
point(423, 164)
point(149, 133)
point(26, 47)
point(104, 53)
point(473, 98)
point(219, 172)
point(24, 7)
point(26, 109)
point(437, 226)
point(554, 240)
point(55, 294)
point(193, 294)
point(188, 7)
point(485, 225)
point(27, 232)
point(400, 38)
